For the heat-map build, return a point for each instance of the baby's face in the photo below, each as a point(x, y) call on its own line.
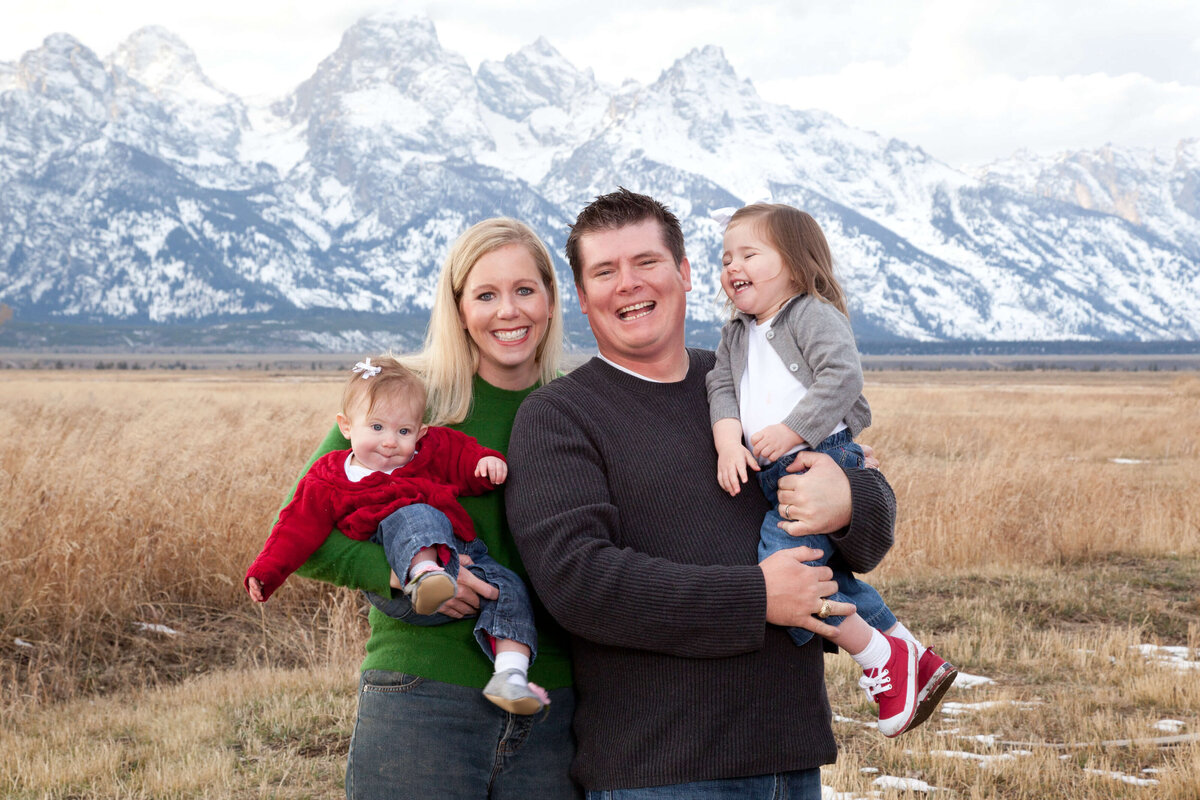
point(386, 437)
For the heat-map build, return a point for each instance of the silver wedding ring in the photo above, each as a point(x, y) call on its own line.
point(787, 512)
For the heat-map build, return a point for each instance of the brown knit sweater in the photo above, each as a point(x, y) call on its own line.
point(634, 548)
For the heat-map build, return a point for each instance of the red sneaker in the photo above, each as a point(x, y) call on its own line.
point(934, 677)
point(894, 687)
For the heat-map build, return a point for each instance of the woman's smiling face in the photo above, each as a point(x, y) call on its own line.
point(505, 308)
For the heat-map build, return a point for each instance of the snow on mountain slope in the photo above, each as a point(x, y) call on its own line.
point(135, 189)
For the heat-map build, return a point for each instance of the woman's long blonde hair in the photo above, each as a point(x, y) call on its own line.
point(801, 245)
point(450, 358)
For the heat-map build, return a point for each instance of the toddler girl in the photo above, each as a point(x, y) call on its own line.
point(788, 378)
point(397, 486)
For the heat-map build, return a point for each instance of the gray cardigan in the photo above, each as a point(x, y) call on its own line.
point(815, 342)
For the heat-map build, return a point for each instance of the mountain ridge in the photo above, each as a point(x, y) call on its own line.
point(132, 188)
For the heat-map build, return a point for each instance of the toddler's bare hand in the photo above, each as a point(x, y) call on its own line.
point(492, 468)
point(254, 586)
point(732, 466)
point(774, 441)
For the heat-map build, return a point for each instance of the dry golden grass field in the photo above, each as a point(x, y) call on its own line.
point(1048, 541)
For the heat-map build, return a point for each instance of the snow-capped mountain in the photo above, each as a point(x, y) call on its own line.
point(134, 190)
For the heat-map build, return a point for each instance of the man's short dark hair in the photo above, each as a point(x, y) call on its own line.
point(617, 210)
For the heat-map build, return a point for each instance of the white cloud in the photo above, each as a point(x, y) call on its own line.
point(968, 81)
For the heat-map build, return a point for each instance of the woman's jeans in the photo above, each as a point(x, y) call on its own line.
point(772, 539)
point(419, 738)
point(411, 528)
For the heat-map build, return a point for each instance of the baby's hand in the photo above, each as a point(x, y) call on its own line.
point(492, 468)
point(773, 441)
point(731, 468)
point(254, 586)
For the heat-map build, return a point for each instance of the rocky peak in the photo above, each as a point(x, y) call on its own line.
point(536, 75)
point(163, 63)
point(63, 63)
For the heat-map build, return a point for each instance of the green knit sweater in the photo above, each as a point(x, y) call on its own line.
point(447, 653)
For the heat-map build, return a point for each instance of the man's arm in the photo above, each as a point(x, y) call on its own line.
point(856, 507)
point(567, 528)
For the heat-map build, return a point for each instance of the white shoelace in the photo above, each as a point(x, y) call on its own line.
point(880, 684)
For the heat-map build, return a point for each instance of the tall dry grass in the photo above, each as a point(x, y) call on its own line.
point(137, 500)
point(1023, 551)
point(999, 471)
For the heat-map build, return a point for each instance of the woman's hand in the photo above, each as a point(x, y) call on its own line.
point(471, 588)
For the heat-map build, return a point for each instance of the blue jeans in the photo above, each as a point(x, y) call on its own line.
point(801, 785)
point(772, 539)
point(419, 738)
point(407, 530)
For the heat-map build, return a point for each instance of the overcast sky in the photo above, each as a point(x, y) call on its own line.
point(968, 81)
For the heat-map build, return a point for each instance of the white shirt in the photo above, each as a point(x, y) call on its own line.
point(768, 391)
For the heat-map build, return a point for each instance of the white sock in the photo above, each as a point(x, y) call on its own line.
point(901, 632)
point(510, 659)
point(425, 565)
point(876, 654)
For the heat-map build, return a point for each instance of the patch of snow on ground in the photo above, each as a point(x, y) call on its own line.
point(1169, 725)
point(988, 739)
point(21, 643)
point(1176, 657)
point(954, 709)
point(852, 721)
point(967, 681)
point(156, 628)
point(903, 784)
point(1120, 776)
point(982, 759)
point(1126, 461)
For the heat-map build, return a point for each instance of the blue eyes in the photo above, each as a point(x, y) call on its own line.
point(377, 427)
point(405, 431)
point(487, 297)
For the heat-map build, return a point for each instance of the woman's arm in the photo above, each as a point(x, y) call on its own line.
point(341, 560)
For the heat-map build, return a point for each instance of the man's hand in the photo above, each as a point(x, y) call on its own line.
point(817, 501)
point(471, 588)
point(492, 468)
point(796, 591)
point(774, 441)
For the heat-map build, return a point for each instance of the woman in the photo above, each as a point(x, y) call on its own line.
point(423, 729)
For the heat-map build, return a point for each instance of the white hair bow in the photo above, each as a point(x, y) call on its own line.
point(368, 369)
point(723, 215)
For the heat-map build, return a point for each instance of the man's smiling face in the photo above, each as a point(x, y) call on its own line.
point(634, 294)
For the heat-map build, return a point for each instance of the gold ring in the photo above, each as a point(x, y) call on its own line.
point(826, 610)
point(787, 512)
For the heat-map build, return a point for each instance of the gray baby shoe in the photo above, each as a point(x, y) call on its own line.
point(513, 698)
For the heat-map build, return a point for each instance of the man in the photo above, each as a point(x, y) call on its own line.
point(635, 549)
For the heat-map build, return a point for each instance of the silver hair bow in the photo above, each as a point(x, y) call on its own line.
point(368, 369)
